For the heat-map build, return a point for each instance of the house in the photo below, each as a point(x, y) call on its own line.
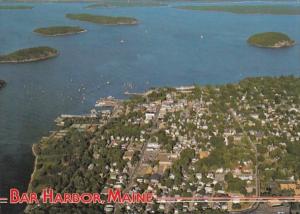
point(152, 146)
point(291, 186)
point(237, 138)
point(149, 116)
point(208, 190)
point(245, 177)
point(128, 155)
point(199, 176)
point(220, 177)
point(155, 178)
point(203, 154)
point(164, 159)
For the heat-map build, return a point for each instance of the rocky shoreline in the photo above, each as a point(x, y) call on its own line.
point(282, 44)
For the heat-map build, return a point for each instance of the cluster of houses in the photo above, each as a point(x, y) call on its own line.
point(156, 160)
point(191, 124)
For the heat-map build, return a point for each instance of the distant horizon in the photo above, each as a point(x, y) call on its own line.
point(137, 1)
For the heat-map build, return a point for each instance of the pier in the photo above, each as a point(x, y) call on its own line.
point(107, 102)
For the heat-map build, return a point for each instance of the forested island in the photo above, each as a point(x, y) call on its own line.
point(126, 4)
point(248, 9)
point(106, 20)
point(59, 30)
point(271, 40)
point(29, 55)
point(15, 7)
point(2, 84)
point(234, 139)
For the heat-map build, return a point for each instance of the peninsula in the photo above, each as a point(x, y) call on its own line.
point(2, 84)
point(191, 138)
point(59, 30)
point(105, 20)
point(29, 55)
point(15, 7)
point(248, 9)
point(271, 40)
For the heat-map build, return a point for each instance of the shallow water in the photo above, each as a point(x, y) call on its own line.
point(169, 47)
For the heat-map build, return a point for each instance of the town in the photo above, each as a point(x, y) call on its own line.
point(230, 141)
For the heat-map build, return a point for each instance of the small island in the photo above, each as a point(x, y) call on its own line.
point(114, 4)
point(15, 7)
point(2, 84)
point(271, 40)
point(59, 30)
point(105, 20)
point(29, 55)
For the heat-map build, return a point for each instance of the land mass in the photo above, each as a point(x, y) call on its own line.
point(29, 55)
point(271, 40)
point(106, 20)
point(2, 84)
point(226, 140)
point(126, 4)
point(59, 30)
point(15, 7)
point(248, 9)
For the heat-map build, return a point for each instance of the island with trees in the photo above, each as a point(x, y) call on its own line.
point(59, 30)
point(29, 55)
point(2, 84)
point(271, 40)
point(105, 20)
point(239, 139)
point(114, 4)
point(246, 9)
point(15, 7)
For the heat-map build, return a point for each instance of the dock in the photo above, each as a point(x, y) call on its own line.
point(107, 102)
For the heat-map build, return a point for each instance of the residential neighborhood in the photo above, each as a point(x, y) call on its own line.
point(185, 143)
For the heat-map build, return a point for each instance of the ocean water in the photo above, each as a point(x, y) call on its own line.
point(170, 47)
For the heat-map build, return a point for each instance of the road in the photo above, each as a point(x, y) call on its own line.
point(254, 146)
point(133, 173)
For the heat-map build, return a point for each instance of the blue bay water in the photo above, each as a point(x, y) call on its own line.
point(170, 47)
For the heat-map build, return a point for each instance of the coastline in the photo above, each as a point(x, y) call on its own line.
point(183, 89)
point(145, 93)
point(29, 60)
point(28, 206)
point(34, 166)
point(102, 20)
point(61, 34)
point(123, 23)
point(284, 44)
